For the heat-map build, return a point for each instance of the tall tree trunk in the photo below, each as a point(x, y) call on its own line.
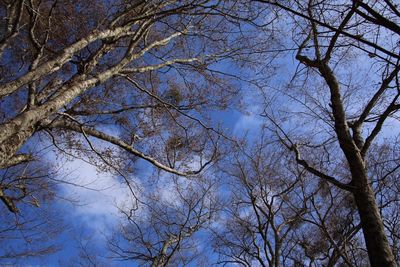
point(379, 251)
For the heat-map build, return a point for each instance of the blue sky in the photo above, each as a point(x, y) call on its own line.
point(90, 212)
point(87, 199)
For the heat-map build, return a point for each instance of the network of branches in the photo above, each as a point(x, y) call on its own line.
point(241, 133)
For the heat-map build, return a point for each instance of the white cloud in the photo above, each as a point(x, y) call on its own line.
point(250, 120)
point(92, 197)
point(98, 194)
point(247, 123)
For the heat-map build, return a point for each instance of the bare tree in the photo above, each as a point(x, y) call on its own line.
point(117, 82)
point(29, 236)
point(111, 83)
point(162, 231)
point(384, 167)
point(258, 217)
point(330, 231)
point(278, 214)
point(138, 69)
point(32, 234)
point(344, 110)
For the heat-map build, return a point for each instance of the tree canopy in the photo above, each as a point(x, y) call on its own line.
point(254, 133)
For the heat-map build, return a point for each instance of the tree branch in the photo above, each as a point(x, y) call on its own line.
point(63, 124)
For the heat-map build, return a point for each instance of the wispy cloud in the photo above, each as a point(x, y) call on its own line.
point(250, 120)
point(96, 195)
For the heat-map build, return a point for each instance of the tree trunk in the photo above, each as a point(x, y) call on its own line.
point(379, 250)
point(277, 255)
point(10, 146)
